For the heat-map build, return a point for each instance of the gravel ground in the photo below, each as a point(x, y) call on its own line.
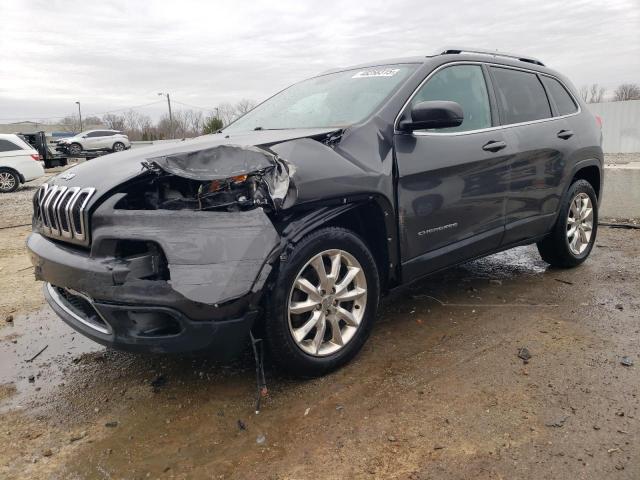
point(439, 390)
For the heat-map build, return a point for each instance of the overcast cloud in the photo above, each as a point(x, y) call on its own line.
point(117, 54)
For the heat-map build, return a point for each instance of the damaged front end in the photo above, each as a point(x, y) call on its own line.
point(223, 178)
point(178, 252)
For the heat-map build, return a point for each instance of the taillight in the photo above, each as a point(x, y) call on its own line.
point(599, 121)
point(36, 156)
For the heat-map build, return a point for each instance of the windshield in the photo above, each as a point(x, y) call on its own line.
point(332, 100)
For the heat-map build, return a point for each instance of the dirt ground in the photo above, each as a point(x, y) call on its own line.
point(438, 391)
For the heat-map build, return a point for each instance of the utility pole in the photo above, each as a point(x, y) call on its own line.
point(170, 115)
point(80, 115)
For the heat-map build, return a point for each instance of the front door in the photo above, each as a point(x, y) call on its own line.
point(452, 182)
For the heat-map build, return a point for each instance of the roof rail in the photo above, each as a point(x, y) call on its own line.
point(493, 53)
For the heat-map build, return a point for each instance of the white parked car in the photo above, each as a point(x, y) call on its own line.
point(111, 140)
point(19, 163)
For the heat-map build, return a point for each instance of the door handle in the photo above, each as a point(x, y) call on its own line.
point(494, 146)
point(565, 134)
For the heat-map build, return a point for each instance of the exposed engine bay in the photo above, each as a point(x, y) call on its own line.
point(223, 178)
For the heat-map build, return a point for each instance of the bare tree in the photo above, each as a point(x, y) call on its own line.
point(627, 91)
point(92, 120)
point(596, 93)
point(70, 123)
point(584, 93)
point(593, 93)
point(243, 106)
point(113, 121)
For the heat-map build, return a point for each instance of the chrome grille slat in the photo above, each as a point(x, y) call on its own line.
point(62, 211)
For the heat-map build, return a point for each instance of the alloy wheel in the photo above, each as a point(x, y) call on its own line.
point(7, 181)
point(580, 223)
point(327, 302)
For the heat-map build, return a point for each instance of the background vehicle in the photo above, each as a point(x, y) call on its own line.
point(19, 163)
point(294, 219)
point(38, 140)
point(91, 140)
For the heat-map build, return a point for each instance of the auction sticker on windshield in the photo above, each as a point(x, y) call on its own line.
point(379, 72)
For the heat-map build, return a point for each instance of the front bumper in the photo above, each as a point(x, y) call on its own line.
point(145, 328)
point(138, 315)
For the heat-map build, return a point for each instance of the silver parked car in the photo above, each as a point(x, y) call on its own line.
point(112, 140)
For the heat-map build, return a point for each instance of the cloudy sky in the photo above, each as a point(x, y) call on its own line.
point(116, 54)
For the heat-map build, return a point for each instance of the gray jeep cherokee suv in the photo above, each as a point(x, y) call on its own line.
point(295, 219)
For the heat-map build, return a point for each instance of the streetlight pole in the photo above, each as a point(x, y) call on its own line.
point(80, 115)
point(170, 115)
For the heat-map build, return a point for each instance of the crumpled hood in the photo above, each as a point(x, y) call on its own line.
point(109, 171)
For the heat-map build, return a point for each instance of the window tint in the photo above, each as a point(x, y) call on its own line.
point(108, 133)
point(521, 96)
point(95, 134)
point(7, 146)
point(560, 96)
point(465, 85)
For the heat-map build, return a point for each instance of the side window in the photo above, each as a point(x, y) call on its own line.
point(108, 133)
point(94, 134)
point(560, 96)
point(520, 95)
point(465, 85)
point(7, 146)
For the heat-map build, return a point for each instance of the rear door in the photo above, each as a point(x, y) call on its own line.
point(452, 182)
point(542, 143)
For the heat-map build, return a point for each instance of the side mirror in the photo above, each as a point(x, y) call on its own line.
point(433, 114)
point(84, 136)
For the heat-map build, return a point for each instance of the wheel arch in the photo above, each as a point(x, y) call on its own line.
point(21, 178)
point(371, 218)
point(591, 171)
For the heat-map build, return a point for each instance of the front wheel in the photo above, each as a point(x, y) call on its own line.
point(118, 147)
point(572, 238)
point(75, 149)
point(324, 302)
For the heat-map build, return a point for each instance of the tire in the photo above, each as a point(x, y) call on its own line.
point(118, 147)
point(560, 248)
point(9, 181)
point(307, 356)
point(75, 149)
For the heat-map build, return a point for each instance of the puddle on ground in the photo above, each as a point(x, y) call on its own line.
point(21, 340)
point(65, 348)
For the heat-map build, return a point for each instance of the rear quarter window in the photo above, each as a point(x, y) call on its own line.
point(7, 146)
point(521, 96)
point(564, 103)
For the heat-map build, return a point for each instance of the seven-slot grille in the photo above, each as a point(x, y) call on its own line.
point(61, 210)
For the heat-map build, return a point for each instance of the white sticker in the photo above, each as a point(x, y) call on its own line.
point(377, 72)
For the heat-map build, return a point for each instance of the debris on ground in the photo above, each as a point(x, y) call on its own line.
point(391, 438)
point(47, 453)
point(9, 319)
point(111, 424)
point(494, 281)
point(620, 307)
point(438, 447)
point(242, 425)
point(566, 282)
point(557, 423)
point(78, 436)
point(31, 379)
point(306, 412)
point(159, 381)
point(524, 354)
point(626, 361)
point(261, 439)
point(37, 354)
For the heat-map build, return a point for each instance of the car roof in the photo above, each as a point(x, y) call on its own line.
point(14, 138)
point(458, 54)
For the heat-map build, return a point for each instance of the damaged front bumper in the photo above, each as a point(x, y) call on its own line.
point(196, 287)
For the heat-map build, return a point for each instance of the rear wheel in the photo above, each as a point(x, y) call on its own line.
point(572, 238)
point(9, 181)
point(323, 306)
point(118, 147)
